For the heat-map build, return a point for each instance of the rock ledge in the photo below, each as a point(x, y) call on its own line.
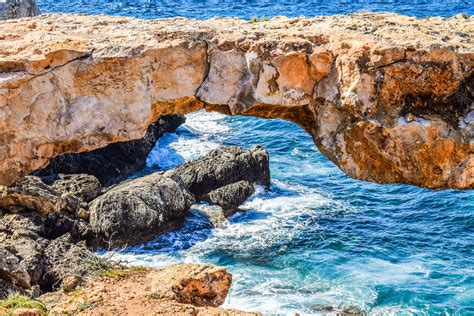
point(388, 98)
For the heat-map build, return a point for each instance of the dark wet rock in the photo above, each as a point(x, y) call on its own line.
point(83, 186)
point(43, 241)
point(47, 229)
point(231, 196)
point(13, 9)
point(136, 211)
point(115, 162)
point(30, 193)
point(223, 166)
point(57, 225)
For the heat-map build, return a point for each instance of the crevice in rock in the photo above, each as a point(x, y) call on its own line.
point(449, 109)
point(114, 162)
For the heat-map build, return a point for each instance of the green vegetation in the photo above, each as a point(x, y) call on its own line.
point(114, 273)
point(15, 301)
point(255, 19)
point(89, 305)
point(121, 271)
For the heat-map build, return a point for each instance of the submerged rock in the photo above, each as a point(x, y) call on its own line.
point(14, 9)
point(136, 211)
point(223, 166)
point(115, 162)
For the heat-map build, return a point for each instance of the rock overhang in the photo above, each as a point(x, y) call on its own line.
point(388, 98)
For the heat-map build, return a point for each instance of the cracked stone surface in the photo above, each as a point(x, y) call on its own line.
point(387, 98)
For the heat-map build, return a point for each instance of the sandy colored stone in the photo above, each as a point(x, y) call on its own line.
point(184, 289)
point(27, 312)
point(355, 83)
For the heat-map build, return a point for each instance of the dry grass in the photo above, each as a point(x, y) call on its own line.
point(16, 301)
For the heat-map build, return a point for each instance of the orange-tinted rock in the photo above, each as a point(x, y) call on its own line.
point(182, 289)
point(388, 98)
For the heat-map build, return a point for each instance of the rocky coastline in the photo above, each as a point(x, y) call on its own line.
point(380, 100)
point(51, 222)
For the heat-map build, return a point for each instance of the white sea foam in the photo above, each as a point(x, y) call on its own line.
point(207, 128)
point(261, 247)
point(206, 123)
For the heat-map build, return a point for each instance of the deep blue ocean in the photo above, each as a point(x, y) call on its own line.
point(318, 238)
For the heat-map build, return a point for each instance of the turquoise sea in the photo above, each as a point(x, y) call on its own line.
point(317, 238)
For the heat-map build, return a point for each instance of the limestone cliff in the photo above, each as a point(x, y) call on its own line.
point(387, 98)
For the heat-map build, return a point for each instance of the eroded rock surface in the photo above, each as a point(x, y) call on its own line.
point(182, 289)
point(14, 9)
point(136, 211)
point(388, 98)
point(192, 284)
point(231, 196)
point(31, 193)
point(39, 251)
point(223, 166)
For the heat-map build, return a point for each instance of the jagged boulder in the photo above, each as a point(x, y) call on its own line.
point(31, 193)
point(12, 270)
point(136, 211)
point(64, 258)
point(223, 166)
point(14, 9)
point(231, 196)
point(83, 186)
point(194, 284)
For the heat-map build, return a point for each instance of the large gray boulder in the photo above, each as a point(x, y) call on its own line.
point(223, 166)
point(136, 211)
point(231, 196)
point(14, 9)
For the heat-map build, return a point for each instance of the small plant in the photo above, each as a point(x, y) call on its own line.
point(88, 305)
point(138, 268)
point(114, 273)
point(255, 19)
point(15, 301)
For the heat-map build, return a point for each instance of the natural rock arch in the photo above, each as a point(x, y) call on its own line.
point(387, 98)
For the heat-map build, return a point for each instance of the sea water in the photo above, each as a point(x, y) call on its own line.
point(317, 238)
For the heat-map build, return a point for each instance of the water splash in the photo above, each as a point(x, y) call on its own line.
point(319, 238)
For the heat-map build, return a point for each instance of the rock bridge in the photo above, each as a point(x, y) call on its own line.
point(387, 98)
